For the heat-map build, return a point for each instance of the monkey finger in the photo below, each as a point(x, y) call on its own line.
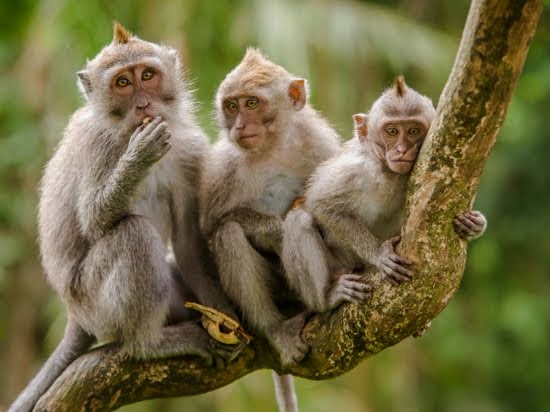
point(402, 270)
point(157, 130)
point(164, 135)
point(399, 260)
point(149, 127)
point(398, 276)
point(389, 277)
point(352, 277)
point(459, 225)
point(395, 240)
point(356, 296)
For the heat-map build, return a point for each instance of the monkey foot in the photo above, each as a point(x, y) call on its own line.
point(349, 288)
point(287, 339)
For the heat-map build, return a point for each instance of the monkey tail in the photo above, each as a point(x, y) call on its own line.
point(75, 342)
point(286, 393)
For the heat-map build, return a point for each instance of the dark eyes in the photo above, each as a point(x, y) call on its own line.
point(414, 131)
point(122, 82)
point(392, 131)
point(231, 106)
point(147, 75)
point(252, 103)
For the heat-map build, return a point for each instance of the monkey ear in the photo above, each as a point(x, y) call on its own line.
point(298, 94)
point(360, 120)
point(84, 83)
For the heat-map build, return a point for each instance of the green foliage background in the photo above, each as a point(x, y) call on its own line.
point(486, 352)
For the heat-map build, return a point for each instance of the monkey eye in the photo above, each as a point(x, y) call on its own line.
point(414, 131)
point(392, 131)
point(231, 106)
point(122, 82)
point(252, 103)
point(147, 74)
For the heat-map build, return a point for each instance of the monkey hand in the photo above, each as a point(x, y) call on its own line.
point(393, 266)
point(470, 225)
point(349, 288)
point(149, 143)
point(287, 339)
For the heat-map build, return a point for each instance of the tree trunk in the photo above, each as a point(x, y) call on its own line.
point(470, 113)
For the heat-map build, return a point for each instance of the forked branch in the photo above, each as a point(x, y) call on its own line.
point(470, 113)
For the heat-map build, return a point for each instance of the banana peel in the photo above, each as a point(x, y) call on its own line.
point(216, 324)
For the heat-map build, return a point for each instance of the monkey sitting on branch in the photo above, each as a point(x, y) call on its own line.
point(270, 142)
point(354, 205)
point(115, 195)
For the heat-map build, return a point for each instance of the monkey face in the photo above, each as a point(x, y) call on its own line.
point(137, 93)
point(402, 140)
point(248, 121)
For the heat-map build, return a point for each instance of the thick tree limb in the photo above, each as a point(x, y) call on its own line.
point(470, 113)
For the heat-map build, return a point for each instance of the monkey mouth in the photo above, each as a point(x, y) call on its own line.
point(248, 140)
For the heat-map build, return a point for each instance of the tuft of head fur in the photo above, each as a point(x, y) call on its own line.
point(400, 86)
point(120, 34)
point(253, 72)
point(400, 101)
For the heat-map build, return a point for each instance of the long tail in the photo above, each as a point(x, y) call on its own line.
point(286, 393)
point(74, 343)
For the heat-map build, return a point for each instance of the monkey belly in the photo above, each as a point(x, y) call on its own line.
point(278, 194)
point(126, 286)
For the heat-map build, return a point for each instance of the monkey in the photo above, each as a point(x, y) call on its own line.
point(270, 141)
point(115, 198)
point(354, 205)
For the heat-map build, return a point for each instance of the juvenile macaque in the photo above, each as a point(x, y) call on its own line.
point(115, 195)
point(270, 141)
point(355, 204)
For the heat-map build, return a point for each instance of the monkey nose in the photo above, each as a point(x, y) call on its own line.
point(142, 106)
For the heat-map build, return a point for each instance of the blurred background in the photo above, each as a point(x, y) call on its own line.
point(488, 351)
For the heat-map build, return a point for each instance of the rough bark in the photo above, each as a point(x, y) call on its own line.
point(470, 112)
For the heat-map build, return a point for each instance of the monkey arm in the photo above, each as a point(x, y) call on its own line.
point(245, 275)
point(264, 231)
point(101, 208)
point(350, 232)
point(191, 253)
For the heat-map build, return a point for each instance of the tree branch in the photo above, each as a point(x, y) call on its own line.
point(470, 113)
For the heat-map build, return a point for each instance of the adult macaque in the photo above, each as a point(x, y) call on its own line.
point(355, 204)
point(115, 195)
point(270, 141)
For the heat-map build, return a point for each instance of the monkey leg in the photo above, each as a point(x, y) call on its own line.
point(128, 286)
point(308, 263)
point(246, 277)
point(74, 343)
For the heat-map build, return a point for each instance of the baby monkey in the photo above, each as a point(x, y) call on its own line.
point(354, 205)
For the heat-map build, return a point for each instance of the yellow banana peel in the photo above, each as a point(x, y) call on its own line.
point(220, 326)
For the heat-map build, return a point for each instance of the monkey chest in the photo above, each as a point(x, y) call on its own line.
point(154, 200)
point(277, 194)
point(382, 212)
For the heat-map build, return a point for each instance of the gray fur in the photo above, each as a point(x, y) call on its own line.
point(353, 212)
point(113, 201)
point(245, 194)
